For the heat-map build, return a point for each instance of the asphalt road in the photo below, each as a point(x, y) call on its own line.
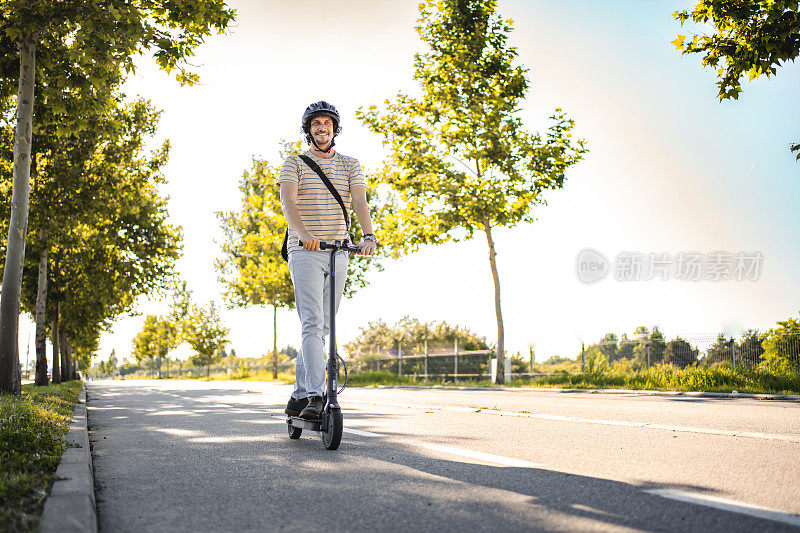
point(215, 456)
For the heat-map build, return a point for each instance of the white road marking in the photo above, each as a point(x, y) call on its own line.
point(362, 432)
point(230, 438)
point(488, 457)
point(178, 432)
point(728, 505)
point(597, 421)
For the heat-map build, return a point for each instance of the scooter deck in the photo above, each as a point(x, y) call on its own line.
point(313, 425)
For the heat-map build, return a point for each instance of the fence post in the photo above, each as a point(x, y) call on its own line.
point(399, 360)
point(733, 352)
point(426, 358)
point(648, 356)
point(455, 357)
point(583, 359)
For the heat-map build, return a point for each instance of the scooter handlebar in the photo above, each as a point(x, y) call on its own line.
point(327, 246)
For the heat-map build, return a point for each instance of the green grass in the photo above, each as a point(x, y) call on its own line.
point(367, 379)
point(33, 428)
point(715, 378)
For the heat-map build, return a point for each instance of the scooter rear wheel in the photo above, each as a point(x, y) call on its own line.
point(294, 433)
point(333, 437)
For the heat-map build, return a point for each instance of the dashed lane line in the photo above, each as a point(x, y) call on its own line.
point(488, 457)
point(362, 432)
point(728, 505)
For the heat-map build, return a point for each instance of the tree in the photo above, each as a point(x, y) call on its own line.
point(108, 241)
point(626, 347)
point(720, 351)
point(782, 345)
point(749, 348)
point(95, 45)
point(609, 347)
point(751, 38)
point(158, 336)
point(639, 348)
point(205, 333)
point(680, 353)
point(463, 160)
point(657, 346)
point(112, 361)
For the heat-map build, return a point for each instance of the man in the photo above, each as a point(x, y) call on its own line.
point(314, 215)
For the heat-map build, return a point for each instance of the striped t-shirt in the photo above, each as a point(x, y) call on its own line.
point(319, 210)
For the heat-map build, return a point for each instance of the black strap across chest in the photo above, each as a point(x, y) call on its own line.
point(315, 167)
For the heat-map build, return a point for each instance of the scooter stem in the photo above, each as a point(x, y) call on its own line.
point(333, 363)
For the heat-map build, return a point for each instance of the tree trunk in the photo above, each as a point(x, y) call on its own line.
point(274, 342)
point(18, 223)
point(65, 370)
point(73, 364)
point(66, 356)
point(73, 361)
point(41, 315)
point(497, 309)
point(56, 341)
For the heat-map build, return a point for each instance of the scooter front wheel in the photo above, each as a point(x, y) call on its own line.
point(333, 437)
point(294, 433)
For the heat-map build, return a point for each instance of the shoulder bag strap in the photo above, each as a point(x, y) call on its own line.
point(315, 167)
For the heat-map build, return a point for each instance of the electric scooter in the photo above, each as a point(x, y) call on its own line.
point(329, 425)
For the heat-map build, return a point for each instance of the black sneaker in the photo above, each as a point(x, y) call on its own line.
point(294, 407)
point(314, 408)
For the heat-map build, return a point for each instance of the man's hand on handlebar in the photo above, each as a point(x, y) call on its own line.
point(309, 242)
point(367, 247)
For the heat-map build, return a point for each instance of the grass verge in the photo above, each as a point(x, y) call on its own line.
point(714, 378)
point(33, 428)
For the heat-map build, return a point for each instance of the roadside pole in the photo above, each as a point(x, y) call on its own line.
point(455, 364)
point(426, 358)
point(583, 359)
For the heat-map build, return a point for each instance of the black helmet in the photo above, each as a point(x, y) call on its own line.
point(321, 108)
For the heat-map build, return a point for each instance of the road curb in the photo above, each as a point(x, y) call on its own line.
point(640, 392)
point(70, 507)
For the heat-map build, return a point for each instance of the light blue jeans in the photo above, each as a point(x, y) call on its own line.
point(310, 273)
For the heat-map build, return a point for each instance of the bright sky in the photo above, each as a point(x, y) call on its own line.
point(670, 170)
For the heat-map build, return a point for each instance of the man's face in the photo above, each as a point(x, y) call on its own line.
point(322, 130)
